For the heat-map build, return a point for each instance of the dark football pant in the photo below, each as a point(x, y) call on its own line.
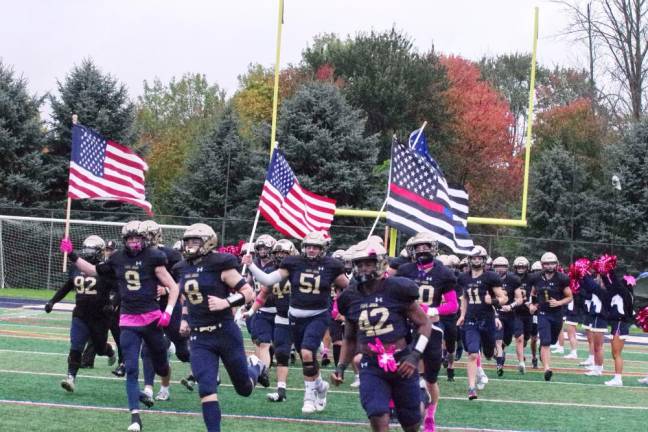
point(83, 330)
point(479, 334)
point(225, 344)
point(263, 327)
point(432, 355)
point(505, 334)
point(282, 342)
point(450, 332)
point(523, 326)
point(549, 327)
point(131, 339)
point(172, 333)
point(378, 387)
point(308, 333)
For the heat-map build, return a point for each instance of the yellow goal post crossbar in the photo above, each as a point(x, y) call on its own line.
point(522, 222)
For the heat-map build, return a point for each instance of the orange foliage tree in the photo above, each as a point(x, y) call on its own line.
point(480, 155)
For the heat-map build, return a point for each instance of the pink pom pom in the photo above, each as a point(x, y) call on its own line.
point(642, 319)
point(604, 264)
point(630, 280)
point(577, 271)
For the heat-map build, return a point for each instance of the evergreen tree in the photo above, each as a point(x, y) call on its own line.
point(324, 141)
point(201, 190)
point(102, 103)
point(21, 142)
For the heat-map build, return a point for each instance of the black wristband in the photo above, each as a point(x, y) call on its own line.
point(240, 284)
point(73, 256)
point(413, 358)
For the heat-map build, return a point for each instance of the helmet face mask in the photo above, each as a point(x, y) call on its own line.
point(198, 240)
point(365, 270)
point(368, 261)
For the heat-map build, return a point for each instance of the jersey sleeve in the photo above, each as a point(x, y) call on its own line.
point(225, 261)
point(515, 281)
point(336, 266)
point(157, 258)
point(173, 256)
point(448, 281)
point(63, 291)
point(405, 290)
point(564, 280)
point(289, 263)
point(404, 270)
point(343, 302)
point(105, 268)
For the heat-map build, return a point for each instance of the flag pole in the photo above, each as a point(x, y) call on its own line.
point(75, 120)
point(373, 227)
point(256, 218)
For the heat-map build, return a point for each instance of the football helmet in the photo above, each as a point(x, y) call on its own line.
point(264, 241)
point(152, 232)
point(536, 266)
point(131, 230)
point(282, 249)
point(318, 239)
point(367, 251)
point(521, 262)
point(478, 257)
point(500, 262)
point(338, 254)
point(203, 232)
point(549, 258)
point(424, 257)
point(454, 260)
point(92, 249)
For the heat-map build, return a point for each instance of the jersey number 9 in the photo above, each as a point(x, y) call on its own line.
point(132, 280)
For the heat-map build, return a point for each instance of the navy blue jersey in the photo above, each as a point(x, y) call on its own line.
point(432, 283)
point(383, 313)
point(201, 278)
point(510, 283)
point(311, 281)
point(475, 290)
point(92, 293)
point(398, 261)
point(173, 257)
point(547, 289)
point(136, 279)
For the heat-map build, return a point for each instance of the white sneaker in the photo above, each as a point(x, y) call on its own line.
point(594, 372)
point(320, 396)
point(134, 427)
point(356, 382)
point(521, 368)
point(68, 384)
point(587, 362)
point(643, 380)
point(482, 380)
point(309, 406)
point(558, 350)
point(163, 395)
point(614, 383)
point(571, 356)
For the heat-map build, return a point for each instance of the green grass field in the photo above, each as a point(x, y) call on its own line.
point(33, 351)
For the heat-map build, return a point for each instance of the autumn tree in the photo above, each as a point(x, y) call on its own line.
point(480, 155)
point(171, 118)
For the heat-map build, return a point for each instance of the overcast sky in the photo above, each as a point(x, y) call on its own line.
point(140, 40)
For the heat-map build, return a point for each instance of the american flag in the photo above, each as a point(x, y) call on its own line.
point(291, 209)
point(105, 170)
point(420, 201)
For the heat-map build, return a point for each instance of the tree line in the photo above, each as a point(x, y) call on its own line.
point(339, 109)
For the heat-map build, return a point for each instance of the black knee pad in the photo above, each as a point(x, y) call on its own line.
point(310, 369)
point(282, 358)
point(74, 358)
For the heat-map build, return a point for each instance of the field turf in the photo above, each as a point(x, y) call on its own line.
point(33, 352)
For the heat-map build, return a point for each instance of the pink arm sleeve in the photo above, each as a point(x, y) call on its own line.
point(449, 305)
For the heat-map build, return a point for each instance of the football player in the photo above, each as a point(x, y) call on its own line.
point(523, 319)
point(482, 292)
point(312, 276)
point(89, 320)
point(207, 279)
point(113, 310)
point(550, 292)
point(511, 284)
point(378, 312)
point(138, 270)
point(437, 293)
point(153, 234)
point(281, 337)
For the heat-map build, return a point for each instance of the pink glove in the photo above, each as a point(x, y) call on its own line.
point(164, 320)
point(66, 245)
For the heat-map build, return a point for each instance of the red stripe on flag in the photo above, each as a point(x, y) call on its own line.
point(280, 211)
point(430, 205)
point(281, 217)
point(319, 197)
point(105, 188)
point(302, 193)
point(137, 163)
point(313, 220)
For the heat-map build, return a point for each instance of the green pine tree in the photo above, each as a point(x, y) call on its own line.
point(21, 142)
point(102, 103)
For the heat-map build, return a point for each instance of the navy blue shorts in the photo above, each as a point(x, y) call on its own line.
point(620, 329)
point(225, 343)
point(263, 327)
point(249, 324)
point(450, 333)
point(523, 326)
point(549, 327)
point(599, 324)
point(378, 387)
point(307, 333)
point(505, 334)
point(282, 338)
point(479, 335)
point(432, 355)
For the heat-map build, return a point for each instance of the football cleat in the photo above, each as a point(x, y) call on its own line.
point(500, 370)
point(163, 395)
point(325, 360)
point(68, 384)
point(482, 380)
point(521, 368)
point(451, 374)
point(134, 427)
point(119, 371)
point(548, 374)
point(278, 396)
point(264, 377)
point(309, 406)
point(558, 350)
point(320, 396)
point(643, 380)
point(534, 363)
point(146, 399)
point(587, 362)
point(188, 382)
point(594, 372)
point(356, 382)
point(472, 394)
point(571, 356)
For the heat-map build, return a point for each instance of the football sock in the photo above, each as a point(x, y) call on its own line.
point(212, 415)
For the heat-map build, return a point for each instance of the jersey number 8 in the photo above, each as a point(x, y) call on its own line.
point(192, 291)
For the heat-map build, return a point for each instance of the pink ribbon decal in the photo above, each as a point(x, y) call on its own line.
point(386, 358)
